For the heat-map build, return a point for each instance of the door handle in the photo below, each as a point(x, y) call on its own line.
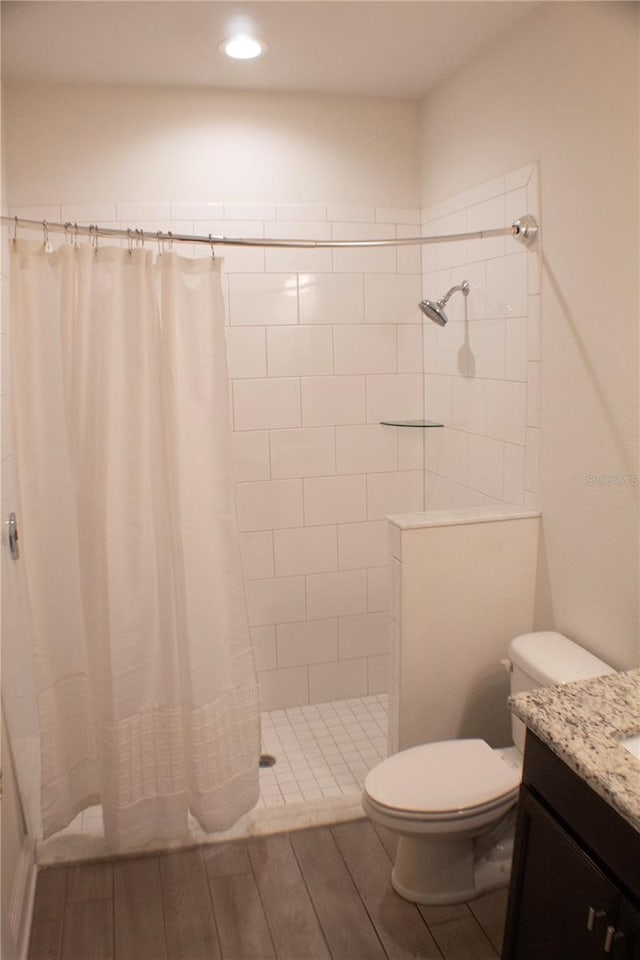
point(611, 936)
point(592, 916)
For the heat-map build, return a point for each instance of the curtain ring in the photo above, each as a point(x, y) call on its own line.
point(170, 235)
point(76, 234)
point(130, 240)
point(45, 233)
point(93, 230)
point(15, 229)
point(67, 227)
point(159, 240)
point(140, 237)
point(213, 253)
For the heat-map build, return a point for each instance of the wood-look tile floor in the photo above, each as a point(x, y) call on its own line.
point(319, 894)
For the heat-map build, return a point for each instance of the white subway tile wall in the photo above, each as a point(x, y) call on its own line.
point(322, 345)
point(482, 371)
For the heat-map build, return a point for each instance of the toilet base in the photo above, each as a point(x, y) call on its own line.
point(434, 873)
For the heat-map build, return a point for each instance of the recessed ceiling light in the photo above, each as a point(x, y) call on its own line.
point(243, 47)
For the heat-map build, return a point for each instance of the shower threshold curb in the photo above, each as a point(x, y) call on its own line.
point(259, 822)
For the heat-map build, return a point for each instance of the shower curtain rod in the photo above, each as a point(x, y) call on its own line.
point(525, 229)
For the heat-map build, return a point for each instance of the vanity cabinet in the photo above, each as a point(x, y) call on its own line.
point(575, 887)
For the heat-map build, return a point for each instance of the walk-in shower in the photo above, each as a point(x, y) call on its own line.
point(309, 650)
point(434, 309)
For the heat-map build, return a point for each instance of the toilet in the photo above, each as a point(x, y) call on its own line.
point(452, 803)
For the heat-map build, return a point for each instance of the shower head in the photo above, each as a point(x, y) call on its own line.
point(434, 309)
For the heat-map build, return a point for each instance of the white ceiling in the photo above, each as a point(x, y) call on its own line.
point(377, 47)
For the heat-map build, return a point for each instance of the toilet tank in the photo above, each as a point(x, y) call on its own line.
point(544, 659)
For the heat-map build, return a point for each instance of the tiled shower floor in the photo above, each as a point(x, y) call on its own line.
point(323, 753)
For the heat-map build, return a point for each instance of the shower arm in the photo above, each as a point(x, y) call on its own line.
point(525, 229)
point(464, 287)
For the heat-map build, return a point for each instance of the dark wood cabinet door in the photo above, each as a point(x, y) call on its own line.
point(556, 887)
point(626, 946)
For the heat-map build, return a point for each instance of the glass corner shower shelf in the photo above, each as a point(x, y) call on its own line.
point(411, 423)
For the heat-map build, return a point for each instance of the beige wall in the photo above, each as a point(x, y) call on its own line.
point(563, 87)
point(91, 144)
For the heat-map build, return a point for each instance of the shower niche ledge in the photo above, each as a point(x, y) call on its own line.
point(411, 423)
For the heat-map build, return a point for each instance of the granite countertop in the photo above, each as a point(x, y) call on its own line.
point(583, 723)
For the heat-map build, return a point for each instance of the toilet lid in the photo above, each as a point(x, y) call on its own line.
point(444, 777)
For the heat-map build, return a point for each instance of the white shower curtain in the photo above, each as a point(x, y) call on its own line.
point(145, 677)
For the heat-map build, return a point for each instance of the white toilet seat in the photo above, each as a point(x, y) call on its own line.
point(446, 781)
point(422, 816)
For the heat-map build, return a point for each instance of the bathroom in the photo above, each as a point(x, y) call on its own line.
point(535, 377)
